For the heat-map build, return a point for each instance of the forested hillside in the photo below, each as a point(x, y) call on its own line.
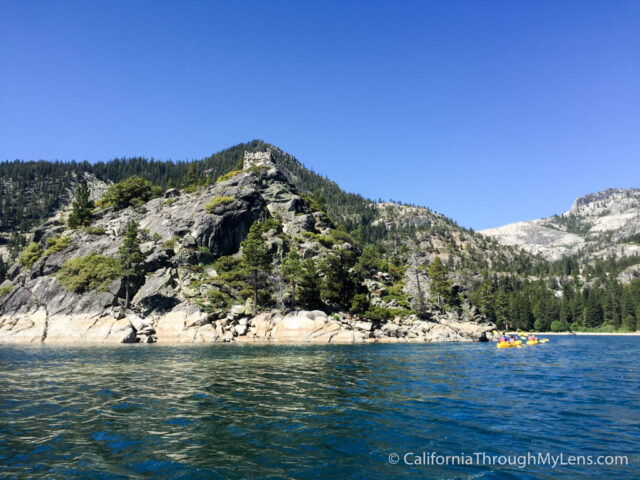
point(31, 191)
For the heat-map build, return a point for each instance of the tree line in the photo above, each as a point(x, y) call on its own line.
point(548, 305)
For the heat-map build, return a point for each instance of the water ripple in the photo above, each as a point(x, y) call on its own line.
point(314, 411)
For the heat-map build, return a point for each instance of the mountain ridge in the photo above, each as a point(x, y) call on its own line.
point(592, 224)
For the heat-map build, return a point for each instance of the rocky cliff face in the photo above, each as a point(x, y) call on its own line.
point(597, 225)
point(171, 305)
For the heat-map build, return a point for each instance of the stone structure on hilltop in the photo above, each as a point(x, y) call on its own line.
point(257, 159)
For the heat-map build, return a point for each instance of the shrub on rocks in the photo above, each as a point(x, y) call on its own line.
point(6, 290)
point(91, 272)
point(30, 254)
point(94, 231)
point(215, 202)
point(228, 175)
point(57, 244)
point(131, 192)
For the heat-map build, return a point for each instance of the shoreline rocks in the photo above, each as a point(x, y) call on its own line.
point(186, 324)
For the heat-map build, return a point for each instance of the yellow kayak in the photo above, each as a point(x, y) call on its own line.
point(532, 342)
point(517, 343)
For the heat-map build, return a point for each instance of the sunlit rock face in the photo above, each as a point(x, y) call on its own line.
point(596, 226)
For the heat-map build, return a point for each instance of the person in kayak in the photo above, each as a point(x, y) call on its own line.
point(512, 339)
point(503, 338)
point(532, 338)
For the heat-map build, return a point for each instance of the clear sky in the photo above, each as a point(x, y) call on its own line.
point(487, 111)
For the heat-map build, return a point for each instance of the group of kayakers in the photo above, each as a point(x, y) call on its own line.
point(512, 339)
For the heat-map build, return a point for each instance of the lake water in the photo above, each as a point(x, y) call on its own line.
point(311, 412)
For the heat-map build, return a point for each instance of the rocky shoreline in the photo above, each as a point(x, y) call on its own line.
point(188, 325)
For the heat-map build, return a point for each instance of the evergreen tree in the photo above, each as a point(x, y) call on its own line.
point(191, 176)
point(310, 285)
point(255, 256)
point(81, 207)
point(440, 285)
point(292, 272)
point(628, 311)
point(547, 312)
point(577, 309)
point(483, 298)
point(130, 259)
point(501, 308)
point(368, 262)
point(525, 319)
point(360, 303)
point(608, 312)
point(592, 316)
point(338, 286)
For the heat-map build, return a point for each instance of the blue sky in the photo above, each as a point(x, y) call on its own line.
point(487, 111)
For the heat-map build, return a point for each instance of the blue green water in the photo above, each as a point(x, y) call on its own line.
point(311, 412)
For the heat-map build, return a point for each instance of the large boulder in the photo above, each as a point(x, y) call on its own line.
point(24, 327)
point(156, 260)
point(185, 324)
point(157, 294)
point(85, 329)
point(301, 327)
point(296, 327)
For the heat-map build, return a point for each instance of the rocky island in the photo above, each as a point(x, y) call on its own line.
point(192, 290)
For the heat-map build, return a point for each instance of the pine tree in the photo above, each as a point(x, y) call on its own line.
point(577, 309)
point(369, 261)
point(501, 308)
point(440, 285)
point(525, 319)
point(483, 297)
point(628, 310)
point(255, 256)
point(81, 207)
point(191, 178)
point(592, 311)
point(309, 288)
point(608, 312)
point(130, 259)
point(338, 285)
point(292, 272)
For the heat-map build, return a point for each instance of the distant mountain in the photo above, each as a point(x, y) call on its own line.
point(598, 225)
